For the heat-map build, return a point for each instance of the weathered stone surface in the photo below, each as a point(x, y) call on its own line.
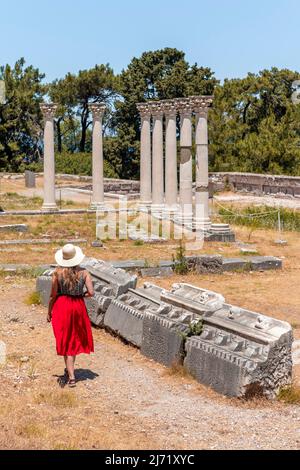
point(205, 263)
point(163, 339)
point(128, 264)
point(97, 244)
point(14, 228)
point(43, 286)
point(257, 184)
point(189, 297)
point(252, 263)
point(117, 278)
point(29, 179)
point(241, 353)
point(163, 271)
point(265, 262)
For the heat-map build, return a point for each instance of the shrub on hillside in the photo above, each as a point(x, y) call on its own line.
point(73, 164)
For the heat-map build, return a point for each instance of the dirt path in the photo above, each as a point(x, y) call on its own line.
point(122, 401)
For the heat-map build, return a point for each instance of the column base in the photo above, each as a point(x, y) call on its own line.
point(144, 206)
point(171, 209)
point(183, 218)
point(157, 209)
point(49, 207)
point(202, 224)
point(98, 206)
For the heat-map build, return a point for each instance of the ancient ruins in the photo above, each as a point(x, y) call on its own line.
point(235, 351)
point(49, 110)
point(160, 192)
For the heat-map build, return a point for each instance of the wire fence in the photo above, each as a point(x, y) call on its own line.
point(260, 217)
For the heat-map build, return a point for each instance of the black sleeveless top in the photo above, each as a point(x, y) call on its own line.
point(78, 289)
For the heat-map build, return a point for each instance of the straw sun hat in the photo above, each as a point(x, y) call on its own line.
point(69, 256)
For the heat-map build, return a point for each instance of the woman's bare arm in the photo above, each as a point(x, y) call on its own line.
point(89, 285)
point(53, 296)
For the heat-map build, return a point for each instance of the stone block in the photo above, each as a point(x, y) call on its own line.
point(125, 315)
point(265, 263)
point(96, 307)
point(163, 339)
point(14, 228)
point(241, 353)
point(118, 279)
point(43, 287)
point(30, 179)
point(163, 271)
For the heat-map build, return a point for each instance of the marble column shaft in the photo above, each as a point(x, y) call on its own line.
point(171, 178)
point(202, 194)
point(145, 164)
point(186, 167)
point(48, 111)
point(157, 158)
point(97, 110)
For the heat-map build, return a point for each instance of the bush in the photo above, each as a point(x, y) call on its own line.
point(72, 164)
point(180, 262)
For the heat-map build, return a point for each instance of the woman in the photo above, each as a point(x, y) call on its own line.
point(67, 310)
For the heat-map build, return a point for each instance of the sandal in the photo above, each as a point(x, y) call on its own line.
point(71, 383)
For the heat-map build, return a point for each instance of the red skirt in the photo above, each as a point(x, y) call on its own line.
point(71, 326)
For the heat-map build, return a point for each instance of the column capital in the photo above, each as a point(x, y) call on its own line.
point(157, 109)
point(200, 103)
point(201, 112)
point(170, 109)
point(144, 110)
point(97, 110)
point(184, 107)
point(48, 110)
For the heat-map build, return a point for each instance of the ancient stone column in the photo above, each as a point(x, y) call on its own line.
point(48, 111)
point(171, 183)
point(202, 219)
point(97, 201)
point(157, 158)
point(186, 167)
point(145, 163)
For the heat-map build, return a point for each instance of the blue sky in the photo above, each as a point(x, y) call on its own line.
point(230, 36)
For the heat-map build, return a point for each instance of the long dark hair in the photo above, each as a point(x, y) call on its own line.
point(69, 276)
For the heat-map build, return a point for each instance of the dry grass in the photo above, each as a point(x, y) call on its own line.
point(177, 370)
point(58, 399)
point(290, 395)
point(33, 298)
point(30, 431)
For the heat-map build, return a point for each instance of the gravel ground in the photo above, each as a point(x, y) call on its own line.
point(138, 403)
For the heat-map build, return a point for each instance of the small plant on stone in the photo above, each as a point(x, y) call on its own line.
point(138, 243)
point(180, 262)
point(195, 328)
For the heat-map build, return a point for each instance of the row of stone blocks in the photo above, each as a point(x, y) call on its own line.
point(237, 353)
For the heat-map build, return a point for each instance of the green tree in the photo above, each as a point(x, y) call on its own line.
point(20, 116)
point(254, 124)
point(74, 93)
point(155, 75)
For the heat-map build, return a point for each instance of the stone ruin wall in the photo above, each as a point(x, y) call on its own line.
point(256, 183)
point(247, 182)
point(235, 351)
